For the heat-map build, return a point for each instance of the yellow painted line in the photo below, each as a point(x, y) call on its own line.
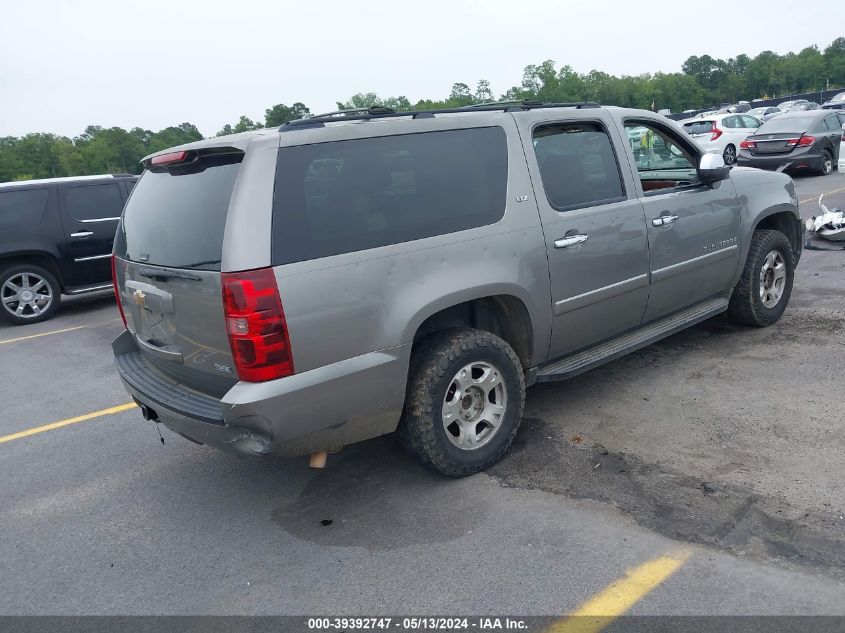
point(826, 193)
point(69, 421)
point(31, 336)
point(608, 604)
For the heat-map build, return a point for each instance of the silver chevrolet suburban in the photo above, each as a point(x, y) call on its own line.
point(288, 291)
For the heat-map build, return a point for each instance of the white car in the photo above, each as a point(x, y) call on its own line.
point(721, 133)
point(841, 165)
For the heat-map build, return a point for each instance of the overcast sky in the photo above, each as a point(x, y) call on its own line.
point(68, 64)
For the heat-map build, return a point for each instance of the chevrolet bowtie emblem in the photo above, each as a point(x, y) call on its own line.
point(139, 297)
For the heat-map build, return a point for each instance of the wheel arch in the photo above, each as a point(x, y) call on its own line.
point(504, 314)
point(787, 223)
point(46, 260)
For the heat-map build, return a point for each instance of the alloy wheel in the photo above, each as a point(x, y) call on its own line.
point(772, 279)
point(474, 405)
point(26, 295)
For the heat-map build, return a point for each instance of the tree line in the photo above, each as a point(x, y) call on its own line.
point(702, 82)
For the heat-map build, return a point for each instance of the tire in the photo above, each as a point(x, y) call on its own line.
point(38, 305)
point(827, 163)
point(468, 444)
point(751, 304)
point(729, 155)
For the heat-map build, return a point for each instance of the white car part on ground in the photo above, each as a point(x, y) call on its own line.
point(830, 225)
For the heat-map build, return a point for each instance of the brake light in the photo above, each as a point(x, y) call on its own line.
point(256, 326)
point(168, 159)
point(116, 291)
point(747, 144)
point(715, 132)
point(806, 141)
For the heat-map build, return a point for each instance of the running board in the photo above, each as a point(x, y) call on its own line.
point(81, 290)
point(609, 350)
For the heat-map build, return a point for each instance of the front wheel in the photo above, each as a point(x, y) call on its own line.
point(464, 401)
point(729, 155)
point(28, 294)
point(763, 291)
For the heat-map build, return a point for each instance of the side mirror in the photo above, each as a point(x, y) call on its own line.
point(712, 169)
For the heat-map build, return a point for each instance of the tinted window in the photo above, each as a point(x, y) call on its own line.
point(750, 122)
point(347, 196)
point(787, 124)
point(93, 202)
point(22, 208)
point(731, 122)
point(577, 165)
point(177, 217)
point(699, 127)
point(833, 123)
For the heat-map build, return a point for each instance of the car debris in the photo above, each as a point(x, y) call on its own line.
point(830, 225)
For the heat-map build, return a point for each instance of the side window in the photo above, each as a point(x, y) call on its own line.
point(663, 160)
point(577, 165)
point(22, 208)
point(93, 202)
point(346, 196)
point(733, 122)
point(749, 122)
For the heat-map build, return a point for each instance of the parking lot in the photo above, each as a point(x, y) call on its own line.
point(718, 451)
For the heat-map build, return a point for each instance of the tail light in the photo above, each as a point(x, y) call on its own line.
point(804, 141)
point(715, 132)
point(116, 291)
point(747, 144)
point(255, 323)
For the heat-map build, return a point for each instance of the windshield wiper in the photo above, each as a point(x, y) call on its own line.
point(163, 275)
point(208, 262)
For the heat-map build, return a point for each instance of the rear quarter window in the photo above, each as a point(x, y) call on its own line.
point(23, 207)
point(698, 127)
point(346, 196)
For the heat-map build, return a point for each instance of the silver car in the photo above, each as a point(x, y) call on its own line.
point(292, 290)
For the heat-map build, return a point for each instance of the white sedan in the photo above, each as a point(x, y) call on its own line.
point(721, 133)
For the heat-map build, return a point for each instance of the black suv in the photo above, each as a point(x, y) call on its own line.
point(56, 237)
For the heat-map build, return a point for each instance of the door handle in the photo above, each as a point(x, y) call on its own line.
point(663, 220)
point(82, 234)
point(571, 240)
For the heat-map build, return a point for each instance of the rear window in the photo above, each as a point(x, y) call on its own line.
point(787, 124)
point(176, 217)
point(698, 127)
point(22, 208)
point(346, 196)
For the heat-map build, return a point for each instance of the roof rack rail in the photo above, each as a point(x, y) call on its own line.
point(381, 112)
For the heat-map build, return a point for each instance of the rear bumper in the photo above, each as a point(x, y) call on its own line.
point(793, 160)
point(325, 408)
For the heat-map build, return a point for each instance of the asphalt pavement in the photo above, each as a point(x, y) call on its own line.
point(720, 447)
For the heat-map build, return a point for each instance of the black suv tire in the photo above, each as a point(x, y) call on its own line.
point(32, 272)
point(437, 364)
point(750, 306)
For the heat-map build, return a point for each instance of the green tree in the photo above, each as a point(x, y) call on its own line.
point(280, 113)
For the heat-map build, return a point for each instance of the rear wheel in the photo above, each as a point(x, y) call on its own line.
point(729, 155)
point(464, 401)
point(827, 163)
point(28, 294)
point(763, 291)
